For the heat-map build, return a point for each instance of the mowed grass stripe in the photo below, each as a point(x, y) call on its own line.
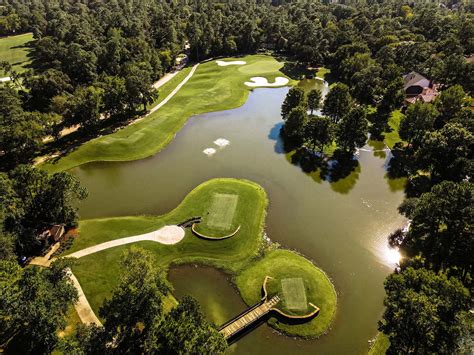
point(222, 210)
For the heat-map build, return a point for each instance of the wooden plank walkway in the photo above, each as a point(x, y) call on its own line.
point(251, 315)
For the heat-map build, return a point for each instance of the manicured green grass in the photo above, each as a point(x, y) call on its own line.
point(15, 50)
point(212, 88)
point(166, 89)
point(380, 346)
point(322, 72)
point(239, 256)
point(98, 273)
point(284, 264)
point(294, 294)
point(391, 138)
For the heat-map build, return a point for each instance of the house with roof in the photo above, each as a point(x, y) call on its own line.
point(417, 87)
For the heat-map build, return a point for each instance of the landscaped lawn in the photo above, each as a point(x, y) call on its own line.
point(285, 264)
point(14, 50)
point(98, 273)
point(212, 88)
point(241, 256)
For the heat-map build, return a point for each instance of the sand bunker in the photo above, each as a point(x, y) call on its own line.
point(221, 142)
point(221, 63)
point(209, 151)
point(4, 80)
point(258, 81)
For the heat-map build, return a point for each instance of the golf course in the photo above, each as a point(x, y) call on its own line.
point(246, 257)
point(212, 88)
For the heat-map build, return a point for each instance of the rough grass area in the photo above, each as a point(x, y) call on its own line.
point(284, 264)
point(294, 294)
point(380, 346)
point(15, 50)
point(212, 88)
point(98, 273)
point(392, 138)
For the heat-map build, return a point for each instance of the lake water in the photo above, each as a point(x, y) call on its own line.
point(342, 227)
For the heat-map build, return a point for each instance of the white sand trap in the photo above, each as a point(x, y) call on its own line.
point(221, 142)
point(167, 235)
point(209, 151)
point(221, 63)
point(4, 80)
point(258, 81)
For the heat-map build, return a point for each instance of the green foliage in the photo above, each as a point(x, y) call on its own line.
point(419, 119)
point(338, 102)
point(34, 303)
point(33, 200)
point(441, 228)
point(352, 131)
point(319, 132)
point(422, 312)
point(295, 124)
point(450, 102)
point(314, 100)
point(295, 98)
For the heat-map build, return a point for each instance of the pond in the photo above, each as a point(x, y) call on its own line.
point(341, 226)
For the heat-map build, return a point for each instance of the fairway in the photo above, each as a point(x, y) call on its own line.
point(294, 294)
point(15, 50)
point(222, 210)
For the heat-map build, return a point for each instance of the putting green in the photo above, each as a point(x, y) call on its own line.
point(241, 257)
point(211, 88)
point(294, 294)
point(221, 212)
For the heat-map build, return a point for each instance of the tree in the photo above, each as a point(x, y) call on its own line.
point(36, 304)
point(314, 100)
point(21, 132)
point(136, 306)
point(447, 153)
point(338, 102)
point(319, 132)
point(115, 95)
point(449, 104)
point(422, 312)
point(295, 124)
point(295, 98)
point(43, 87)
point(138, 83)
point(351, 132)
point(419, 120)
point(178, 339)
point(441, 228)
point(33, 200)
point(85, 107)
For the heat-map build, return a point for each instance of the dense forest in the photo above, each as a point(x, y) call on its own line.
point(93, 66)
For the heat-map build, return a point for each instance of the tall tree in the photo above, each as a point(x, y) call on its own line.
point(419, 120)
point(295, 124)
point(314, 100)
point(319, 132)
point(352, 131)
point(295, 98)
point(422, 312)
point(338, 102)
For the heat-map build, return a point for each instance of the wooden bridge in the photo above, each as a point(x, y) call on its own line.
point(237, 324)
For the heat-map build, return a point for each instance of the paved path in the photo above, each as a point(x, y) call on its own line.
point(164, 79)
point(82, 306)
point(170, 95)
point(45, 260)
point(167, 235)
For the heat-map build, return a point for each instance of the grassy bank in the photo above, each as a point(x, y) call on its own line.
point(15, 50)
point(285, 264)
point(380, 346)
point(212, 88)
point(99, 273)
point(241, 256)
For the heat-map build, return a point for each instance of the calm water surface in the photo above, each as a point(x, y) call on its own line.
point(341, 226)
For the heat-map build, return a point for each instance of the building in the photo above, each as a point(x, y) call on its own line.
point(419, 88)
point(52, 235)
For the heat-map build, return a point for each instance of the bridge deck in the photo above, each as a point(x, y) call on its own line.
point(247, 318)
